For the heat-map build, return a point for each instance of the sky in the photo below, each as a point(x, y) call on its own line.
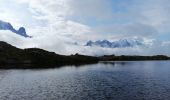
point(56, 25)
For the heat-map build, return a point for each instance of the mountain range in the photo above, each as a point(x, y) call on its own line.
point(7, 26)
point(13, 57)
point(122, 43)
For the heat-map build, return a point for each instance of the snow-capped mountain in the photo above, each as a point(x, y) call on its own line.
point(8, 26)
point(122, 43)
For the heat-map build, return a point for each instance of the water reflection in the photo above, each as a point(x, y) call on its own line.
point(113, 63)
point(102, 81)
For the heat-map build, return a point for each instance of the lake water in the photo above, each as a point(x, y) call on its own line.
point(137, 80)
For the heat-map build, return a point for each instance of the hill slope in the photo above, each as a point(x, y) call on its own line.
point(10, 55)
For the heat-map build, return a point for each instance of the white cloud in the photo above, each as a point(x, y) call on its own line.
point(98, 9)
point(53, 27)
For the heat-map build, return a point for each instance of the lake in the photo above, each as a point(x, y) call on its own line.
point(135, 80)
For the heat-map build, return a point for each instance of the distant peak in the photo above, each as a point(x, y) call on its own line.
point(8, 26)
point(122, 43)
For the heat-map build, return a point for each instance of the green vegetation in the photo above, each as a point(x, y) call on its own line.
point(12, 57)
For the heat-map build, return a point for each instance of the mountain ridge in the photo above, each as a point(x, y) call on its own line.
point(38, 58)
point(12, 57)
point(7, 26)
point(122, 43)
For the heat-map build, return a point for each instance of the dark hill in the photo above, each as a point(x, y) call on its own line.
point(12, 57)
point(133, 58)
point(38, 58)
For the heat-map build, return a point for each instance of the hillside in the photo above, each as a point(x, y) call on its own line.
point(12, 57)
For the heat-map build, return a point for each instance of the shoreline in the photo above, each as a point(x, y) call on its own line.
point(32, 58)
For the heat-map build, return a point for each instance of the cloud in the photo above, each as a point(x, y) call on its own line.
point(57, 24)
point(97, 9)
point(127, 30)
point(154, 13)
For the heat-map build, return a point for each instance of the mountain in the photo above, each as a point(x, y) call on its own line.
point(122, 43)
point(37, 58)
point(13, 58)
point(8, 26)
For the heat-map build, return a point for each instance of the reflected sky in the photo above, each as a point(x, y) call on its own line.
point(143, 80)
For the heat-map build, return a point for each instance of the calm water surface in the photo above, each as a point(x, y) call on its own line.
point(145, 80)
